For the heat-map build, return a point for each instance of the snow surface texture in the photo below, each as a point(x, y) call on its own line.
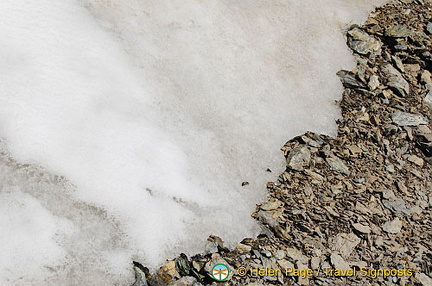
point(129, 126)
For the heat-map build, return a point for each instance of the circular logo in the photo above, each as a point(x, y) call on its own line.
point(220, 272)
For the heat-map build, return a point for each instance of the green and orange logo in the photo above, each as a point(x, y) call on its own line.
point(220, 272)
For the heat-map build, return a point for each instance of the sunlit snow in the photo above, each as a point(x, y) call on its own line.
point(128, 127)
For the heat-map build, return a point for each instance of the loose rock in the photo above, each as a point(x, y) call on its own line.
point(338, 262)
point(428, 99)
point(362, 42)
point(408, 119)
point(362, 228)
point(338, 165)
point(398, 31)
point(186, 281)
point(393, 226)
point(298, 158)
point(396, 80)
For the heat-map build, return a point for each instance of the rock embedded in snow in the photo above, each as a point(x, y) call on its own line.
point(211, 247)
point(140, 275)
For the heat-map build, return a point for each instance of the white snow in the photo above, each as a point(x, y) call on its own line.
point(153, 113)
point(27, 238)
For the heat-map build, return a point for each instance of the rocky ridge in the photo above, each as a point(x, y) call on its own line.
point(362, 200)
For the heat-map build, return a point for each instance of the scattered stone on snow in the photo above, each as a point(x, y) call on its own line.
point(341, 201)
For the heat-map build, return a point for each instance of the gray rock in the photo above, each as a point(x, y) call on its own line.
point(429, 27)
point(398, 31)
point(362, 42)
point(186, 281)
point(420, 39)
point(425, 78)
point(362, 228)
point(271, 205)
point(211, 247)
point(396, 80)
point(182, 265)
point(296, 255)
point(398, 63)
point(285, 264)
point(428, 99)
point(243, 248)
point(373, 82)
point(349, 79)
point(408, 119)
point(301, 280)
point(269, 264)
point(393, 226)
point(279, 254)
point(338, 262)
point(267, 253)
point(397, 205)
point(338, 165)
point(401, 47)
point(416, 160)
point(424, 279)
point(345, 243)
point(267, 217)
point(140, 276)
point(388, 194)
point(298, 158)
